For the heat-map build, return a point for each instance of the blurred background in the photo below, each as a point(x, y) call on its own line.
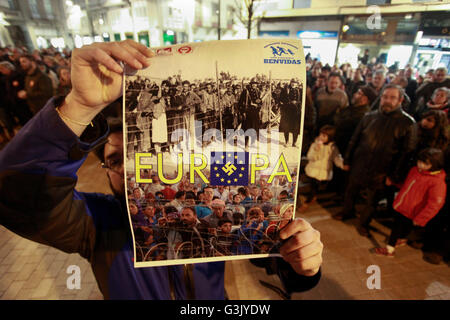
point(405, 32)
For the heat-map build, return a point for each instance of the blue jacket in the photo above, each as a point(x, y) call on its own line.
point(38, 201)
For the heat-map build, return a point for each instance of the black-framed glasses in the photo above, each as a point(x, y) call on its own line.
point(114, 163)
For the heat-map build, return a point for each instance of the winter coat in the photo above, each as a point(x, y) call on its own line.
point(320, 162)
point(380, 146)
point(421, 196)
point(346, 122)
point(39, 89)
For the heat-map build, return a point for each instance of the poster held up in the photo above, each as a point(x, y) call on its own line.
point(213, 141)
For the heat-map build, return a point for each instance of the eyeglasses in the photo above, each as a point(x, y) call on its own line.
point(114, 164)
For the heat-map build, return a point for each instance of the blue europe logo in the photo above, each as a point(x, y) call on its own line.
point(229, 168)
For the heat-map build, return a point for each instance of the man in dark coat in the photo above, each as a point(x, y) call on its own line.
point(251, 100)
point(379, 148)
point(38, 86)
point(291, 102)
point(347, 120)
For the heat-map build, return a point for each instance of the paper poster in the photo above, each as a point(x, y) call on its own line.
point(213, 141)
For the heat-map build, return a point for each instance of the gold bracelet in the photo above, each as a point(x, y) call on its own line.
point(71, 120)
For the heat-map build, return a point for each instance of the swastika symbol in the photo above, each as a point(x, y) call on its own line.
point(229, 168)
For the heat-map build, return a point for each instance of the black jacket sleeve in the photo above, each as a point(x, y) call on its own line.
point(291, 280)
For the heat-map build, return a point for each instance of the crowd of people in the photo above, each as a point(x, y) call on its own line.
point(381, 139)
point(372, 134)
point(27, 81)
point(191, 220)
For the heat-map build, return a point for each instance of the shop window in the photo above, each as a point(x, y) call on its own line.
point(230, 17)
point(168, 37)
point(48, 9)
point(377, 2)
point(144, 39)
point(34, 9)
point(302, 4)
point(198, 13)
point(10, 4)
point(215, 14)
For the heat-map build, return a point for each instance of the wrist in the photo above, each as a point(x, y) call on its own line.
point(76, 115)
point(77, 111)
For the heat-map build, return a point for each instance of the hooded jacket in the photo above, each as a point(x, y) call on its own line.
point(421, 196)
point(320, 161)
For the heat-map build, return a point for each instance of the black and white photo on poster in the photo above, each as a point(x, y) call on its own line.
point(213, 134)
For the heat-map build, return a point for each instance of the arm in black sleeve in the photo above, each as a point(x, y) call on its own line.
point(354, 141)
point(291, 280)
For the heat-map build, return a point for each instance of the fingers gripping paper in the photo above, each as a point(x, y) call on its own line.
point(213, 142)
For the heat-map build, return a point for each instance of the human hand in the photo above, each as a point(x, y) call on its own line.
point(303, 249)
point(97, 76)
point(346, 167)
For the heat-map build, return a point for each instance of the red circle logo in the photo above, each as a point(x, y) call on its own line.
point(185, 49)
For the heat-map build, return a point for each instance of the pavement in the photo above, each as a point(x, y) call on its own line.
point(33, 271)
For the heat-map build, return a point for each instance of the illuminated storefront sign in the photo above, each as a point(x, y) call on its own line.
point(314, 34)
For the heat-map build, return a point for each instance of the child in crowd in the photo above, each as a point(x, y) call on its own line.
point(321, 156)
point(420, 198)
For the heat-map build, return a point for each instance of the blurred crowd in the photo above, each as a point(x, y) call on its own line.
point(27, 81)
point(380, 140)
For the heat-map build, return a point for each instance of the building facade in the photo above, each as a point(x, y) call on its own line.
point(340, 31)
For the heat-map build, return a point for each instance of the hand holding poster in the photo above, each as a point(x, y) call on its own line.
point(213, 137)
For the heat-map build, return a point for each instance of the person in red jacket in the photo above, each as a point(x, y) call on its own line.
point(420, 198)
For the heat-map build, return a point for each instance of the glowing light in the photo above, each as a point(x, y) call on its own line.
point(58, 42)
point(78, 41)
point(41, 42)
point(2, 19)
point(418, 37)
point(309, 35)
